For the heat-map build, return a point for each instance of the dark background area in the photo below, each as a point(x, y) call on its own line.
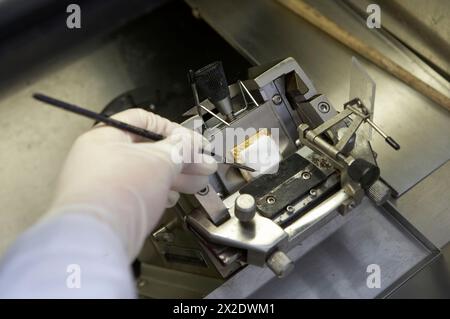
point(158, 42)
point(160, 48)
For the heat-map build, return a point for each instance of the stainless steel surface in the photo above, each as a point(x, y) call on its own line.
point(241, 84)
point(214, 114)
point(431, 282)
point(263, 31)
point(422, 25)
point(427, 206)
point(337, 267)
point(258, 237)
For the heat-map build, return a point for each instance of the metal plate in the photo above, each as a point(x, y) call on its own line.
point(422, 25)
point(264, 31)
point(285, 186)
point(337, 267)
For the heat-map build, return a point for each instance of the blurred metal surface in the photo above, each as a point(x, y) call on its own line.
point(263, 31)
point(433, 281)
point(337, 267)
point(424, 26)
point(427, 206)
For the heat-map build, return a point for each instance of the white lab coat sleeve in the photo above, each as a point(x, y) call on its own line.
point(69, 256)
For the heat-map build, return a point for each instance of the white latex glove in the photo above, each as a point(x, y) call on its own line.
point(126, 181)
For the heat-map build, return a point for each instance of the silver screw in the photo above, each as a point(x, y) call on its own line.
point(324, 107)
point(306, 175)
point(290, 209)
point(276, 99)
point(313, 192)
point(270, 200)
point(204, 191)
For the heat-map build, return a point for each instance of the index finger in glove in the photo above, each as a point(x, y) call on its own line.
point(190, 152)
point(204, 165)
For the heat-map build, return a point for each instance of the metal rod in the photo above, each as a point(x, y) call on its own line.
point(387, 138)
point(317, 19)
point(215, 115)
point(249, 94)
point(316, 214)
point(194, 92)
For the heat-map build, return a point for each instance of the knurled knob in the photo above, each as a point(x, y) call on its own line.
point(280, 264)
point(379, 192)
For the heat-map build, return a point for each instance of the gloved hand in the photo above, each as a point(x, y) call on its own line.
point(126, 181)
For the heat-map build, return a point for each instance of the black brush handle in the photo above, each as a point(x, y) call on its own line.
point(98, 117)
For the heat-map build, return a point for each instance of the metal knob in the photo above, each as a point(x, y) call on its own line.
point(379, 192)
point(245, 207)
point(363, 172)
point(280, 264)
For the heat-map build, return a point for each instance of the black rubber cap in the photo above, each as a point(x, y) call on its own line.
point(211, 82)
point(392, 143)
point(363, 172)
